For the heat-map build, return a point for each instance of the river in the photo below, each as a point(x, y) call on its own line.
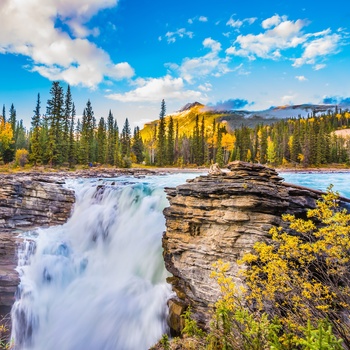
point(98, 281)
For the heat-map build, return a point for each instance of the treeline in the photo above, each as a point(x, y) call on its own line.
point(59, 138)
point(297, 141)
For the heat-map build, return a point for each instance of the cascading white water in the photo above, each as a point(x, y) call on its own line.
point(98, 281)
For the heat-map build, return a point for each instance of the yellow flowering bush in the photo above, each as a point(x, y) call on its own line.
point(302, 274)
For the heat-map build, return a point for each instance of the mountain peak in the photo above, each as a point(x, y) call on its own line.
point(188, 106)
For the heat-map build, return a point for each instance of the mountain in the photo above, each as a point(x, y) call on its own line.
point(186, 116)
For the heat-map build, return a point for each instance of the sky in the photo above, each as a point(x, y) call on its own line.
point(128, 55)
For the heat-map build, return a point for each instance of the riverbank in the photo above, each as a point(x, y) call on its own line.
point(140, 171)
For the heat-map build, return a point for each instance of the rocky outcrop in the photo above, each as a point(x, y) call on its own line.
point(26, 201)
point(221, 216)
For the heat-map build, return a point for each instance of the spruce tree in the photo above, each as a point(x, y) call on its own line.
point(161, 140)
point(36, 151)
point(66, 125)
point(137, 146)
point(170, 142)
point(3, 114)
point(125, 142)
point(54, 113)
point(101, 141)
point(111, 140)
point(71, 145)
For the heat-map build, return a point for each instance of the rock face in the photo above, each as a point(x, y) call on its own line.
point(221, 217)
point(26, 201)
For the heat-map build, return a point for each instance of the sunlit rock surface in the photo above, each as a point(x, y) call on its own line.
point(221, 216)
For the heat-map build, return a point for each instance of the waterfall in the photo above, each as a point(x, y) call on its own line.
point(98, 281)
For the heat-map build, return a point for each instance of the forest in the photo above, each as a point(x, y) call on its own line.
point(58, 138)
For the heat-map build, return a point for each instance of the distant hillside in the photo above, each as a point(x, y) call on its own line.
point(186, 116)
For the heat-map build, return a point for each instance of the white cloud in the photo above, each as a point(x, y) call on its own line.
point(154, 89)
point(205, 87)
point(180, 33)
point(239, 23)
point(300, 78)
point(234, 23)
point(209, 64)
point(273, 21)
point(288, 99)
point(281, 34)
point(284, 35)
point(319, 66)
point(318, 48)
point(54, 53)
point(197, 18)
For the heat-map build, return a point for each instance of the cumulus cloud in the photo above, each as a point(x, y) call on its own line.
point(300, 78)
point(281, 34)
point(209, 64)
point(273, 21)
point(319, 47)
point(203, 19)
point(230, 104)
point(56, 53)
point(336, 100)
point(152, 89)
point(180, 33)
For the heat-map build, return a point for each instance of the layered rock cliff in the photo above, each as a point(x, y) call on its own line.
point(26, 201)
point(221, 216)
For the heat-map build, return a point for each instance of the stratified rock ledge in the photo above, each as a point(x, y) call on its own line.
point(26, 201)
point(221, 216)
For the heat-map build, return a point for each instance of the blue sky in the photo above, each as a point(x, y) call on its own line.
point(128, 55)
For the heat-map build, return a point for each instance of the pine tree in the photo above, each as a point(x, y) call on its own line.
point(3, 114)
point(101, 141)
point(71, 145)
point(36, 151)
point(125, 143)
point(54, 113)
point(87, 134)
point(170, 142)
point(66, 125)
point(137, 146)
point(161, 140)
point(111, 141)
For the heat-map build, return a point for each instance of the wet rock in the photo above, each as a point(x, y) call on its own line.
point(26, 201)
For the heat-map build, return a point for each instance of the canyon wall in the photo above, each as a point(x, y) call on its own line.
point(26, 202)
point(221, 216)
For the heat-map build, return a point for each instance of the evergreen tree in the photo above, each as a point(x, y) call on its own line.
point(137, 146)
point(13, 119)
point(36, 150)
point(71, 144)
point(111, 139)
point(170, 142)
point(101, 141)
point(66, 125)
point(125, 143)
point(161, 140)
point(117, 146)
point(54, 114)
point(3, 114)
point(87, 135)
